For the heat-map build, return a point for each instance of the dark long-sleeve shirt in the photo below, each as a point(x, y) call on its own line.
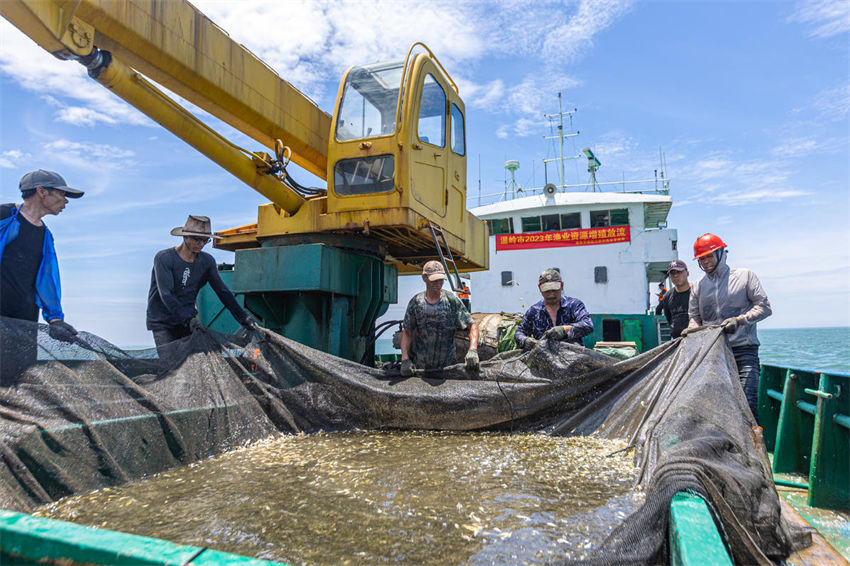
point(675, 309)
point(175, 284)
point(572, 312)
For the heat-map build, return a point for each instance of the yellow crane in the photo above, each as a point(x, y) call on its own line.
point(319, 265)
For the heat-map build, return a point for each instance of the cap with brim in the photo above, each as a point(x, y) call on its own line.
point(434, 271)
point(550, 286)
point(676, 265)
point(48, 180)
point(198, 226)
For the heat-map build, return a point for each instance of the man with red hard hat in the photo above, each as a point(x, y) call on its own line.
point(735, 299)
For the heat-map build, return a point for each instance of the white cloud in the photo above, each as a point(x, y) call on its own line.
point(738, 198)
point(12, 158)
point(614, 144)
point(486, 96)
point(92, 150)
point(80, 116)
point(325, 37)
point(38, 71)
point(529, 100)
point(825, 18)
point(796, 148)
point(834, 103)
point(572, 39)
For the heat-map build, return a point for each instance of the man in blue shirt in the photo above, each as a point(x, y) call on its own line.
point(555, 317)
point(29, 271)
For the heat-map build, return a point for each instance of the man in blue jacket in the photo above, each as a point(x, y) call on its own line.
point(555, 317)
point(29, 270)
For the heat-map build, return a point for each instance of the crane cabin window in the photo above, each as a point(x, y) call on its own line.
point(458, 132)
point(364, 175)
point(369, 102)
point(432, 113)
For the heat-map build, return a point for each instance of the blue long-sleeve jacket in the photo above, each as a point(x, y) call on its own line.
point(48, 291)
point(572, 312)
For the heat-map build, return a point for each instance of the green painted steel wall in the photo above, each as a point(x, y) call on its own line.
point(641, 328)
point(323, 296)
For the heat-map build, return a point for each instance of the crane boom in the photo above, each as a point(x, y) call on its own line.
point(319, 265)
point(177, 46)
point(393, 154)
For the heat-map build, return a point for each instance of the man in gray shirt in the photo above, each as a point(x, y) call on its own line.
point(177, 276)
point(735, 299)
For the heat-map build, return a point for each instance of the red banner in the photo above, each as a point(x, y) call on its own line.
point(580, 237)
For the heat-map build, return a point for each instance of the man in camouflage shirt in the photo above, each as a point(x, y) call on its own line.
point(427, 334)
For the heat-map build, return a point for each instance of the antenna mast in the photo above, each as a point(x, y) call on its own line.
point(561, 135)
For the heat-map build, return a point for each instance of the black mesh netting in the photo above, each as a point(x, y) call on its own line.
point(87, 415)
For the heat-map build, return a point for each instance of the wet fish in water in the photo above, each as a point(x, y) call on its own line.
point(420, 497)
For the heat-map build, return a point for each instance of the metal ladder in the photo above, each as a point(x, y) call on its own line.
point(446, 258)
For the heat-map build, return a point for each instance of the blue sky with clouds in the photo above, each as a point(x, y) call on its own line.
point(749, 101)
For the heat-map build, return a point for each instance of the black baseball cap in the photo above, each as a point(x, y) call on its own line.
point(48, 180)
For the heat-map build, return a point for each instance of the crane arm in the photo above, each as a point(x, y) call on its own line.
point(176, 45)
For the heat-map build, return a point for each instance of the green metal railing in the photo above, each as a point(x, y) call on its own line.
point(34, 540)
point(805, 415)
point(693, 537)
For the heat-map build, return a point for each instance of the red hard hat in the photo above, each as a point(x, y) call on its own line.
point(706, 244)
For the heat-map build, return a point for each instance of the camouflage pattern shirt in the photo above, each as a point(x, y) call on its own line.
point(432, 327)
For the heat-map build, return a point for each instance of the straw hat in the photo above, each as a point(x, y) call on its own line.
point(195, 226)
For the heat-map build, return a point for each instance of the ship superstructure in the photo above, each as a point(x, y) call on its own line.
point(610, 241)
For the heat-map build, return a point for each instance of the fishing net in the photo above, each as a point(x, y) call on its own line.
point(77, 417)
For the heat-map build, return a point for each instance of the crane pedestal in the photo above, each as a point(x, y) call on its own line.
point(323, 291)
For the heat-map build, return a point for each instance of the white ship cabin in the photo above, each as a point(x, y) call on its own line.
point(611, 249)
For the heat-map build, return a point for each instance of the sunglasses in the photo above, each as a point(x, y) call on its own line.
point(199, 239)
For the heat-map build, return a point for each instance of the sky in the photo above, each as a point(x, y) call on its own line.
point(749, 103)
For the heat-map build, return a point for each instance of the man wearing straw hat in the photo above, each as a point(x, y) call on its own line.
point(177, 276)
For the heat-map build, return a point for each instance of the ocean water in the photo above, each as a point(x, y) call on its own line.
point(824, 349)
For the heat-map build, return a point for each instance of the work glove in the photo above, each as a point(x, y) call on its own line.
point(555, 333)
point(690, 330)
point(529, 344)
point(195, 324)
point(407, 368)
point(471, 360)
point(249, 324)
point(61, 330)
point(730, 325)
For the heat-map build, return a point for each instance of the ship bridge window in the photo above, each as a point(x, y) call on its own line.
point(616, 217)
point(570, 221)
point(530, 223)
point(551, 222)
point(501, 226)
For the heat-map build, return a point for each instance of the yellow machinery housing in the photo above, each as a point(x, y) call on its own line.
point(376, 132)
point(319, 266)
